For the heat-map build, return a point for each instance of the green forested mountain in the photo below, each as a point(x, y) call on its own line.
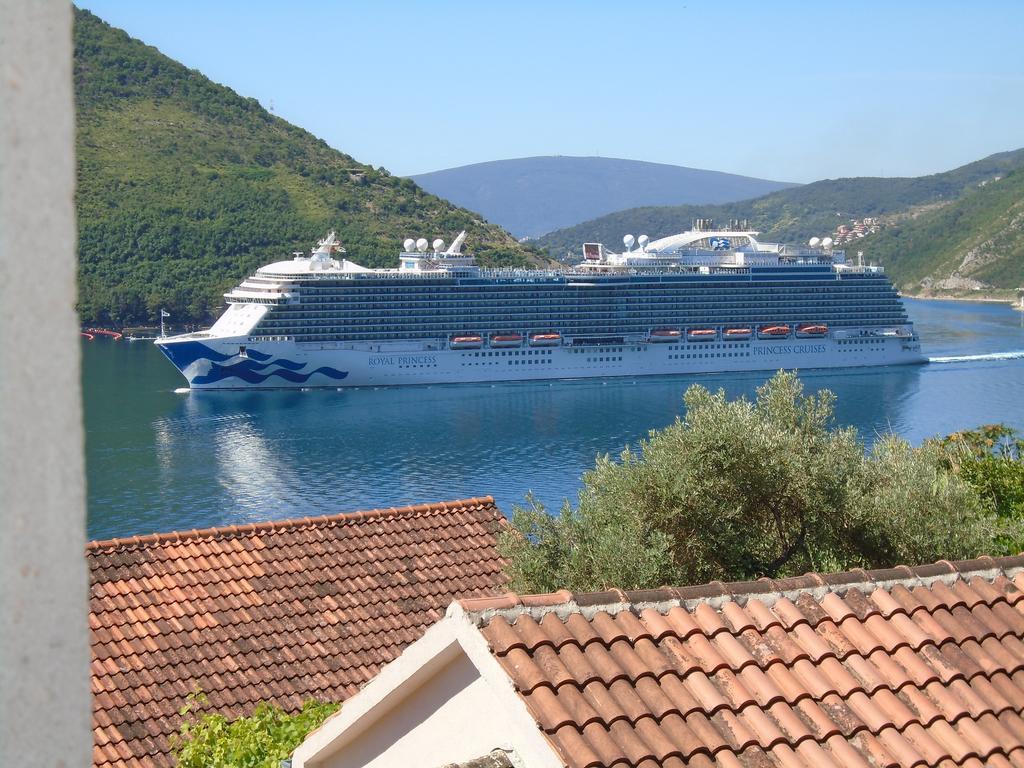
point(793, 215)
point(975, 243)
point(184, 187)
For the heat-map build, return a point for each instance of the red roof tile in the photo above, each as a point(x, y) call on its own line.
point(281, 612)
point(897, 667)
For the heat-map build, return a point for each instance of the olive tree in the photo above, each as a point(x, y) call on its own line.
point(738, 489)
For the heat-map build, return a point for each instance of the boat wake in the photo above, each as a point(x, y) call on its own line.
point(1016, 355)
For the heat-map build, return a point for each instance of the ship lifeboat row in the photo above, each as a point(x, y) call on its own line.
point(658, 335)
point(698, 334)
point(811, 331)
point(467, 341)
point(545, 339)
point(737, 334)
point(504, 340)
point(701, 334)
point(665, 334)
point(773, 331)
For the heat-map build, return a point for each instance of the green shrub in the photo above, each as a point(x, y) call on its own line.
point(739, 489)
point(261, 740)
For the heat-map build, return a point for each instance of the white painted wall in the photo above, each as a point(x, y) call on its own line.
point(44, 636)
point(451, 717)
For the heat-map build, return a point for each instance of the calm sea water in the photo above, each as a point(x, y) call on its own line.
point(158, 460)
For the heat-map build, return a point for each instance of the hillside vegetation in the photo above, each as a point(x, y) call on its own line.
point(533, 195)
point(973, 244)
point(185, 187)
point(793, 215)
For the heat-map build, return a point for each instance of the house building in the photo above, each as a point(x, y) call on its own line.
point(906, 666)
point(280, 612)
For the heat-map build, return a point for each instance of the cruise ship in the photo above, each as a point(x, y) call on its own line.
point(707, 300)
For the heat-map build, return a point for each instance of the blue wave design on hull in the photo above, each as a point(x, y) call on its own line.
point(184, 354)
point(240, 371)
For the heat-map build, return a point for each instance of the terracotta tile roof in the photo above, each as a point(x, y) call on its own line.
point(899, 667)
point(280, 611)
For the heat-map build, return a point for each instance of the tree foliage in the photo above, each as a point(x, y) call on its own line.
point(991, 460)
point(261, 740)
point(740, 489)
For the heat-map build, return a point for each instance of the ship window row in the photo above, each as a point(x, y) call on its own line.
point(829, 287)
point(699, 355)
point(510, 353)
point(501, 323)
point(447, 300)
point(590, 309)
point(693, 278)
point(633, 288)
point(463, 309)
point(575, 330)
point(595, 301)
point(508, 320)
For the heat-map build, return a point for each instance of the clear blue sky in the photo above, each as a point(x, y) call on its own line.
point(794, 91)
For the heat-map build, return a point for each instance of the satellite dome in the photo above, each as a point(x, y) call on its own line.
point(438, 244)
point(628, 241)
point(813, 242)
point(643, 240)
point(421, 244)
point(409, 244)
point(826, 243)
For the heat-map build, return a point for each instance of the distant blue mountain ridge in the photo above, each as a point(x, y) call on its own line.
point(531, 196)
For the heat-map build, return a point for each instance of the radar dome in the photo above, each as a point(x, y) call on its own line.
point(813, 242)
point(826, 242)
point(409, 244)
point(628, 241)
point(643, 240)
point(438, 244)
point(421, 244)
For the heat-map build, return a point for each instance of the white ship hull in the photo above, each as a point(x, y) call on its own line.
point(237, 363)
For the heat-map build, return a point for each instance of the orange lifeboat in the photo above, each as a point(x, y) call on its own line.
point(738, 334)
point(701, 334)
point(665, 334)
point(503, 340)
point(811, 330)
point(467, 341)
point(551, 339)
point(773, 332)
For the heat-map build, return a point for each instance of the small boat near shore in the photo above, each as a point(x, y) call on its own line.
point(94, 332)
